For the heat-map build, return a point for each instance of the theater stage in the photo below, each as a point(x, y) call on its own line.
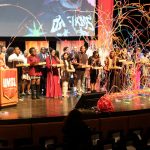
point(31, 121)
point(46, 109)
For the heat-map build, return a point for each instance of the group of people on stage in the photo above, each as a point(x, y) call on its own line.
point(48, 74)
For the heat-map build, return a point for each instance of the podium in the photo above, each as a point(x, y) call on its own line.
point(8, 87)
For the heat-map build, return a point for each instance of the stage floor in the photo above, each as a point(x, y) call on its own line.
point(42, 108)
point(30, 110)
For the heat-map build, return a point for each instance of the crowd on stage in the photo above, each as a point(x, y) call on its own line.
point(77, 70)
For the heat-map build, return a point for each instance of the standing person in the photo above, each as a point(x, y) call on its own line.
point(73, 53)
point(145, 70)
point(53, 89)
point(9, 51)
point(82, 59)
point(14, 59)
point(2, 58)
point(114, 83)
point(25, 75)
point(94, 61)
point(104, 81)
point(124, 54)
point(123, 58)
point(65, 50)
point(3, 50)
point(117, 51)
point(42, 55)
point(73, 57)
point(35, 73)
point(137, 69)
point(66, 72)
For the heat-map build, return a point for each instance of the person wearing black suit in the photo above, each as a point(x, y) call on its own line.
point(42, 55)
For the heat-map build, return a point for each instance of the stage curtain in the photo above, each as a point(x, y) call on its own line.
point(105, 23)
point(3, 43)
point(36, 44)
point(61, 44)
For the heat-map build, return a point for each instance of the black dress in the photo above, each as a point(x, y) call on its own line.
point(114, 79)
point(93, 72)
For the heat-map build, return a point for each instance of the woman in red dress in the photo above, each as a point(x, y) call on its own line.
point(35, 73)
point(53, 88)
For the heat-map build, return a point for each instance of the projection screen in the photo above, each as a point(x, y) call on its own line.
point(53, 18)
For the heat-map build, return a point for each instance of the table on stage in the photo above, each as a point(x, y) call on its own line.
point(8, 87)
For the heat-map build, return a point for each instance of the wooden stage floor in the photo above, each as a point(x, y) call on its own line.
point(30, 110)
point(42, 108)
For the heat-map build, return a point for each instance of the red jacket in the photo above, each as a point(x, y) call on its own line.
point(34, 70)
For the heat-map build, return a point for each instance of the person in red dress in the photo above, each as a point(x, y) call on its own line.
point(35, 73)
point(53, 89)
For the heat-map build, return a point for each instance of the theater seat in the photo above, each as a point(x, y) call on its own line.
point(139, 126)
point(93, 124)
point(47, 132)
point(10, 133)
point(113, 124)
point(114, 130)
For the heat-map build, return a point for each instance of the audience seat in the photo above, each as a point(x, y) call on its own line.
point(9, 134)
point(47, 133)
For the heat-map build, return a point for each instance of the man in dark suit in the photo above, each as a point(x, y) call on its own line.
point(42, 55)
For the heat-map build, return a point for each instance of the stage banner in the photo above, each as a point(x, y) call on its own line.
point(105, 24)
point(36, 44)
point(3, 43)
point(68, 43)
point(8, 87)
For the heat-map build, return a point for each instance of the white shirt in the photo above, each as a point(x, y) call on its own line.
point(25, 60)
point(89, 52)
point(44, 56)
point(103, 53)
point(15, 57)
